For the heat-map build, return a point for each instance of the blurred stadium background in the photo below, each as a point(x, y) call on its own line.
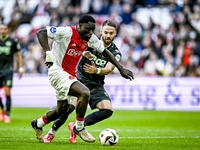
point(159, 41)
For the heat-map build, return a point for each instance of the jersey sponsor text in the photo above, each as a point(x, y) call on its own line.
point(73, 52)
point(5, 50)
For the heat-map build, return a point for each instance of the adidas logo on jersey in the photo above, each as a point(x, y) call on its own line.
point(74, 44)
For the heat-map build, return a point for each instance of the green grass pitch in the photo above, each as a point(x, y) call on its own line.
point(138, 130)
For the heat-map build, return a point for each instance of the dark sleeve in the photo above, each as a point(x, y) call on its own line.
point(117, 54)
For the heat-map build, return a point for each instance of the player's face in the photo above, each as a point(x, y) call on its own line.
point(86, 30)
point(108, 34)
point(3, 30)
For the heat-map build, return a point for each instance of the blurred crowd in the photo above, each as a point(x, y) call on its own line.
point(155, 37)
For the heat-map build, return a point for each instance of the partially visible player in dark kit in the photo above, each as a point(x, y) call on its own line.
point(91, 72)
point(8, 47)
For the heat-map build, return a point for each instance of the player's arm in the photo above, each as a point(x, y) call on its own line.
point(107, 69)
point(20, 64)
point(98, 45)
point(124, 72)
point(92, 69)
point(58, 34)
point(43, 40)
point(87, 54)
point(16, 50)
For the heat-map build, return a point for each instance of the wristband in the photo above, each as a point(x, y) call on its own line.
point(49, 56)
point(98, 70)
point(21, 69)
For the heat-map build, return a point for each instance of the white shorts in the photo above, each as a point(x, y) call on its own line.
point(61, 81)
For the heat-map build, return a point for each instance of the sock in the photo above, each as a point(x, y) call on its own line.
point(97, 116)
point(52, 131)
point(61, 120)
point(41, 122)
point(79, 123)
point(1, 104)
point(8, 105)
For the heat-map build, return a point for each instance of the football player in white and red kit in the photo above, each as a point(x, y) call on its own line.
point(69, 44)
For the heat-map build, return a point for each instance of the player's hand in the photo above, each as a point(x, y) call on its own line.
point(49, 59)
point(48, 64)
point(126, 74)
point(92, 69)
point(20, 74)
point(88, 54)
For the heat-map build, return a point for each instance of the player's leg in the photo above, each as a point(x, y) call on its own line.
point(51, 134)
point(72, 137)
point(101, 100)
point(98, 99)
point(105, 111)
point(2, 115)
point(7, 82)
point(57, 123)
point(83, 94)
point(52, 114)
point(1, 104)
point(8, 104)
point(61, 82)
point(61, 120)
point(2, 111)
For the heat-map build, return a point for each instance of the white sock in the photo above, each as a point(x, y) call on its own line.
point(52, 131)
point(40, 123)
point(79, 125)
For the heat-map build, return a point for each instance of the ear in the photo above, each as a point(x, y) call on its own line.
point(101, 31)
point(115, 32)
point(80, 25)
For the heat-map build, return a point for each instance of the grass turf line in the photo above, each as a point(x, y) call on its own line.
point(138, 130)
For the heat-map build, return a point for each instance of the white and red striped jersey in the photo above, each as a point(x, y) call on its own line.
point(68, 46)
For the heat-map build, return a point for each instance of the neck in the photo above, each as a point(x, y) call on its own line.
point(107, 45)
point(4, 37)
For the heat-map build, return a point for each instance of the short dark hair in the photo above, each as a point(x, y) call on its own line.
point(109, 23)
point(86, 18)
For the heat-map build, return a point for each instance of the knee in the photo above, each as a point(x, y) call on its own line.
point(106, 112)
point(85, 95)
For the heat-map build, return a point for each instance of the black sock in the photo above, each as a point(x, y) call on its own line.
point(1, 104)
point(97, 116)
point(8, 105)
point(61, 120)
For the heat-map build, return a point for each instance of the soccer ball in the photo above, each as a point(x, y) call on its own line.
point(108, 137)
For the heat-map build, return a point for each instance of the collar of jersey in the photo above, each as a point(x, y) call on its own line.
point(3, 39)
point(108, 45)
